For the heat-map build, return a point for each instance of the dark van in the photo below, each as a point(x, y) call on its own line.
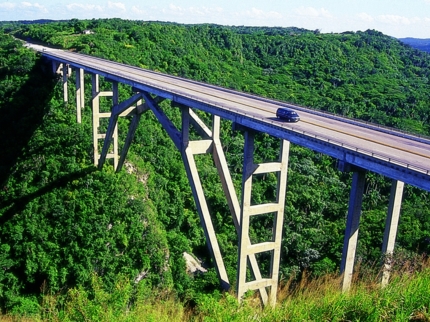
point(287, 115)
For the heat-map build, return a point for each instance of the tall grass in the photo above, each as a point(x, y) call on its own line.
point(405, 298)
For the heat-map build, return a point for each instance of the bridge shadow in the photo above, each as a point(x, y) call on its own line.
point(18, 204)
point(22, 111)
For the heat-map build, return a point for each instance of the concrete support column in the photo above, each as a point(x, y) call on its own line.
point(80, 94)
point(244, 242)
point(115, 102)
point(352, 224)
point(65, 74)
point(391, 225)
point(278, 221)
point(96, 115)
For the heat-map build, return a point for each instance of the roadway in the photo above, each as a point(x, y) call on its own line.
point(397, 155)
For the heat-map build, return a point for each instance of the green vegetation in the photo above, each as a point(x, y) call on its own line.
point(406, 298)
point(73, 239)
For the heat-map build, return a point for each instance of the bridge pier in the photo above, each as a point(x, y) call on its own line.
point(210, 143)
point(136, 112)
point(391, 225)
point(352, 224)
point(353, 221)
point(79, 94)
point(64, 70)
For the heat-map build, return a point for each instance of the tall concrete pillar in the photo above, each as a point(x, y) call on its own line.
point(391, 225)
point(244, 242)
point(96, 115)
point(65, 74)
point(115, 102)
point(80, 94)
point(352, 224)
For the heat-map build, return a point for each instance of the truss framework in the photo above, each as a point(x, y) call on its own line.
point(249, 276)
point(210, 143)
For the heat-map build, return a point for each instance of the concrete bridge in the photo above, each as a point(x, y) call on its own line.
point(359, 147)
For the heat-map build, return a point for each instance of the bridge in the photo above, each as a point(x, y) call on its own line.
point(358, 146)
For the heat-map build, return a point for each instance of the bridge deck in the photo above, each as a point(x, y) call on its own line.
point(393, 154)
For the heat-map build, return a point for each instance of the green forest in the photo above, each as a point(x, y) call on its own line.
point(65, 225)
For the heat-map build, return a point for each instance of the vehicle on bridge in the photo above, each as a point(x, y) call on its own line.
point(287, 114)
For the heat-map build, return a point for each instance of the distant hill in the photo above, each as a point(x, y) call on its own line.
point(421, 44)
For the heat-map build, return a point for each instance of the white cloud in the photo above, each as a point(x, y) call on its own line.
point(22, 10)
point(395, 20)
point(137, 10)
point(31, 6)
point(365, 17)
point(176, 9)
point(193, 12)
point(416, 20)
point(312, 12)
point(261, 14)
point(84, 7)
point(203, 11)
point(7, 5)
point(116, 6)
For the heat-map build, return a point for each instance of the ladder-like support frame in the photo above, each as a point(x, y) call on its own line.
point(121, 109)
point(97, 116)
point(246, 248)
point(211, 144)
point(110, 138)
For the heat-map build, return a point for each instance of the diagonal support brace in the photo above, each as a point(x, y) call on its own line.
point(113, 120)
point(138, 111)
point(199, 197)
point(173, 132)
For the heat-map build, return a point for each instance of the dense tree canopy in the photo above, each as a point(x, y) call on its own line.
point(62, 220)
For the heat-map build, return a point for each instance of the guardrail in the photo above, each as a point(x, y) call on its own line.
point(374, 126)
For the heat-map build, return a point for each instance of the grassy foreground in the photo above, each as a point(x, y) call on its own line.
point(405, 298)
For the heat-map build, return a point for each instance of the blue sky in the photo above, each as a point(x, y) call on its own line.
point(397, 18)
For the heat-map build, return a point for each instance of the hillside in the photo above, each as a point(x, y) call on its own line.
point(62, 220)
